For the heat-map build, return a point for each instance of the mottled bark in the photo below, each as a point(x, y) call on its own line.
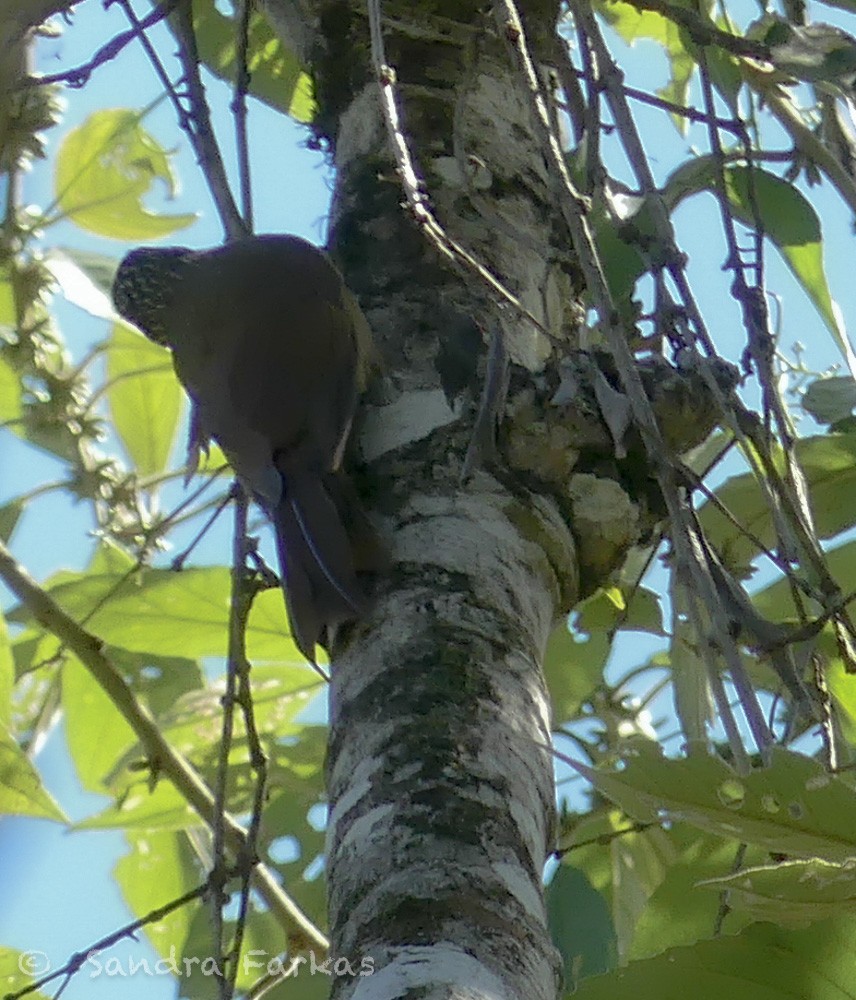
point(440, 777)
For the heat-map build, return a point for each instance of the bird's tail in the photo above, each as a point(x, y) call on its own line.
point(316, 560)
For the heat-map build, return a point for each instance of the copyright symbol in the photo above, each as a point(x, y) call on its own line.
point(33, 963)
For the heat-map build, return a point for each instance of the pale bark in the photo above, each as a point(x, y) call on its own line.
point(440, 777)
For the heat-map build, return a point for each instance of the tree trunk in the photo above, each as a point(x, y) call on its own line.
point(440, 775)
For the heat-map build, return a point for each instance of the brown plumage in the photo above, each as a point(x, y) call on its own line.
point(270, 346)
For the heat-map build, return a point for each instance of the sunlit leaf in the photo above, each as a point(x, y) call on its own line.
point(763, 962)
point(19, 969)
point(105, 167)
point(791, 893)
point(573, 667)
point(10, 393)
point(276, 76)
point(145, 398)
point(21, 789)
point(793, 807)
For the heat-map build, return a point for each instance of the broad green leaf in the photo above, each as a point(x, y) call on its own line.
point(108, 558)
point(763, 962)
point(776, 600)
point(156, 611)
point(145, 398)
point(8, 310)
point(762, 200)
point(580, 925)
point(831, 399)
point(632, 24)
point(18, 969)
point(792, 893)
point(105, 167)
point(792, 807)
point(158, 868)
point(276, 76)
point(679, 912)
point(636, 609)
point(573, 667)
point(161, 808)
point(173, 614)
point(21, 789)
point(10, 514)
point(279, 695)
point(88, 709)
point(10, 393)
point(623, 863)
point(7, 676)
point(842, 687)
point(829, 464)
point(268, 638)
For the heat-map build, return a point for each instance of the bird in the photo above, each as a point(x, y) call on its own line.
point(273, 350)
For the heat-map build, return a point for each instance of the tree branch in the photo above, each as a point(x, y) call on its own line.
point(90, 651)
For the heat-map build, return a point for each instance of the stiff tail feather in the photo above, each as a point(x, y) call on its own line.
point(316, 562)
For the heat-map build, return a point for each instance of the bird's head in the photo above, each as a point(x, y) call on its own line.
point(144, 284)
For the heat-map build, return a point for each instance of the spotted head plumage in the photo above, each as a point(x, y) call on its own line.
point(144, 284)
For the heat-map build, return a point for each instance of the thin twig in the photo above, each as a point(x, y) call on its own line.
point(688, 554)
point(89, 649)
point(79, 75)
point(239, 110)
point(413, 186)
point(197, 122)
point(238, 610)
point(76, 962)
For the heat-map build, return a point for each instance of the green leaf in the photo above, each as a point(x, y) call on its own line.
point(21, 789)
point(636, 609)
point(679, 912)
point(279, 695)
point(10, 514)
point(831, 399)
point(19, 969)
point(573, 667)
point(775, 601)
point(88, 709)
point(144, 808)
point(158, 868)
point(157, 611)
point(276, 76)
point(632, 24)
point(7, 676)
point(10, 393)
point(792, 807)
point(793, 893)
point(763, 962)
point(145, 398)
point(829, 464)
point(104, 167)
point(580, 925)
point(762, 200)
